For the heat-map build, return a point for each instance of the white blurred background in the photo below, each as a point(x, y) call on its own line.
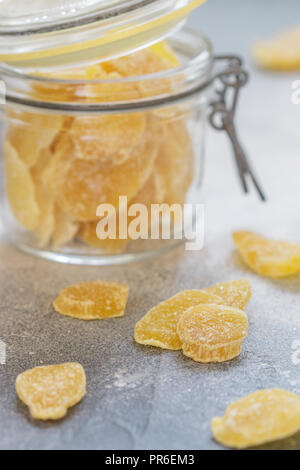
point(268, 122)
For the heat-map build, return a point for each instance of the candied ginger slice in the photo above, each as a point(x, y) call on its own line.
point(165, 52)
point(261, 417)
point(234, 294)
point(175, 161)
point(143, 62)
point(80, 186)
point(93, 300)
point(50, 390)
point(146, 62)
point(20, 189)
point(109, 87)
point(65, 229)
point(88, 233)
point(30, 133)
point(281, 53)
point(151, 193)
point(49, 89)
point(212, 333)
point(266, 256)
point(46, 225)
point(110, 138)
point(159, 326)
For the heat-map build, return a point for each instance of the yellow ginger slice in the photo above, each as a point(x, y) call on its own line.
point(80, 186)
point(151, 193)
point(20, 189)
point(108, 87)
point(268, 257)
point(146, 62)
point(281, 53)
point(233, 293)
point(50, 89)
point(30, 133)
point(264, 416)
point(46, 225)
point(88, 233)
point(165, 52)
point(93, 300)
point(108, 138)
point(65, 229)
point(212, 333)
point(50, 390)
point(175, 162)
point(159, 326)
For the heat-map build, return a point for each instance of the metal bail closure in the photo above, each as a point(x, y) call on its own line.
point(222, 117)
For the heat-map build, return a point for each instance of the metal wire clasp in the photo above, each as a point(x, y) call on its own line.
point(228, 84)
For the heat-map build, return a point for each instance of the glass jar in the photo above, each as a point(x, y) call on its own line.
point(72, 145)
point(104, 120)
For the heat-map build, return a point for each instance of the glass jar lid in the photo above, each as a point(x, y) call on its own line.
point(51, 33)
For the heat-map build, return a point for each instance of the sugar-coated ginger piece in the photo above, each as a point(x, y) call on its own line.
point(212, 333)
point(144, 62)
point(20, 189)
point(50, 390)
point(46, 224)
point(80, 186)
point(159, 326)
point(108, 138)
point(53, 223)
point(266, 256)
point(93, 300)
point(175, 161)
point(233, 293)
point(65, 229)
point(30, 133)
point(148, 61)
point(166, 53)
point(57, 87)
point(151, 193)
point(88, 233)
point(108, 87)
point(259, 418)
point(281, 53)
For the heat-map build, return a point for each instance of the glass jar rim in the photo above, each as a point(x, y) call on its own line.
point(75, 14)
point(107, 27)
point(196, 73)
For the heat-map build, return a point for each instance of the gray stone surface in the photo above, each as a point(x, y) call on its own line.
point(143, 398)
